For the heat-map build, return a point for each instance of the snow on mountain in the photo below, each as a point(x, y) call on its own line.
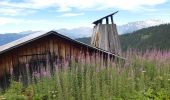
point(133, 26)
point(122, 29)
point(72, 33)
point(28, 32)
point(76, 32)
point(84, 31)
point(9, 37)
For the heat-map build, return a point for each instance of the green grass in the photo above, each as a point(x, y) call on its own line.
point(143, 77)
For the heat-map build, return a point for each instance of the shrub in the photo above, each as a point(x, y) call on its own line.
point(143, 77)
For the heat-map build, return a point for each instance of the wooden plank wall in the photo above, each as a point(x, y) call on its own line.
point(49, 53)
point(105, 36)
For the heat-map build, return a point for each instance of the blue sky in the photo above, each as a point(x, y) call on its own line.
point(23, 15)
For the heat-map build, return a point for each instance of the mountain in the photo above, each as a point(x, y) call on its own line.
point(73, 33)
point(122, 29)
point(76, 32)
point(86, 40)
point(83, 31)
point(155, 37)
point(9, 37)
point(133, 26)
point(28, 32)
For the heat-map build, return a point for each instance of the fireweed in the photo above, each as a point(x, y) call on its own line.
point(142, 76)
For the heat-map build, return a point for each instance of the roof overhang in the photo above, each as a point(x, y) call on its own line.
point(38, 35)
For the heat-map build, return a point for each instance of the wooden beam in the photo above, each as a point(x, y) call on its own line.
point(112, 19)
point(107, 20)
point(100, 20)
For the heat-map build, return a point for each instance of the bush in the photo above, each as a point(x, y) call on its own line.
point(143, 77)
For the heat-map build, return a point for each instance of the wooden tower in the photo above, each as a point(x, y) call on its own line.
point(105, 36)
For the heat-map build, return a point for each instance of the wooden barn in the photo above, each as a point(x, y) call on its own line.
point(48, 51)
point(105, 35)
point(45, 51)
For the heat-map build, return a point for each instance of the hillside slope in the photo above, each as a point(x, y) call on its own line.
point(86, 40)
point(156, 37)
point(84, 31)
point(9, 37)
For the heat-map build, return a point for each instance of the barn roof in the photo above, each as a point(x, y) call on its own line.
point(37, 35)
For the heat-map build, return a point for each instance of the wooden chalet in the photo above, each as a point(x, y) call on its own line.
point(105, 35)
point(49, 51)
point(32, 53)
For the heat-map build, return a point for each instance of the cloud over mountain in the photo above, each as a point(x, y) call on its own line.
point(133, 26)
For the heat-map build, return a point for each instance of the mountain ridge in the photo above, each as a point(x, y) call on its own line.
point(82, 31)
point(134, 26)
point(155, 37)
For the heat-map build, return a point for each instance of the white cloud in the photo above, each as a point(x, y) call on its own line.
point(64, 9)
point(10, 11)
point(28, 6)
point(4, 21)
point(95, 4)
point(66, 5)
point(8, 24)
point(72, 14)
point(7, 20)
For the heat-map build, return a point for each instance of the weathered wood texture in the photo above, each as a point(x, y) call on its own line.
point(45, 54)
point(105, 36)
point(99, 21)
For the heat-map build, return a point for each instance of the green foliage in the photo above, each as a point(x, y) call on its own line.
point(14, 92)
point(141, 78)
point(156, 37)
point(85, 40)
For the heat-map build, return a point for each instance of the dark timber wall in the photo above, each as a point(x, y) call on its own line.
point(45, 54)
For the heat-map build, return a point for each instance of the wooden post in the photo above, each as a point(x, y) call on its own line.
point(112, 19)
point(107, 20)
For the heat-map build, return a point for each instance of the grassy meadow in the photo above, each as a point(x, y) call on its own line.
point(143, 76)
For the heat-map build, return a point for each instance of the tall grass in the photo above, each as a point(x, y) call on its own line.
point(143, 77)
